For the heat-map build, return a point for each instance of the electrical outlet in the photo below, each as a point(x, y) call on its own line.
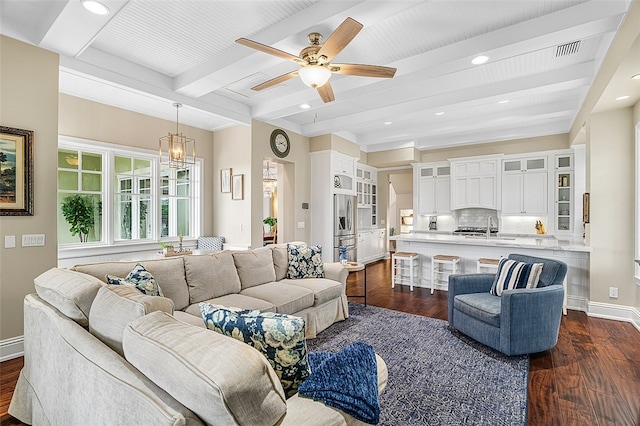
point(613, 292)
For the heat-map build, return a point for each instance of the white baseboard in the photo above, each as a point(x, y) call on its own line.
point(11, 348)
point(614, 312)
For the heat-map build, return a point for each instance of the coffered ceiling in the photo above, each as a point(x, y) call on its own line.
point(147, 54)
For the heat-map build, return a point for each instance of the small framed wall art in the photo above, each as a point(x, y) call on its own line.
point(585, 207)
point(16, 172)
point(225, 180)
point(237, 187)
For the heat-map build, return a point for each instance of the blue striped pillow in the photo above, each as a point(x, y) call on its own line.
point(513, 274)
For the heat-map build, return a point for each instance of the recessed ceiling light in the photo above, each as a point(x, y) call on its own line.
point(622, 98)
point(305, 106)
point(386, 123)
point(479, 60)
point(504, 101)
point(439, 113)
point(94, 6)
point(635, 77)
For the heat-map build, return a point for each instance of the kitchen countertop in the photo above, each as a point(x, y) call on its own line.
point(545, 242)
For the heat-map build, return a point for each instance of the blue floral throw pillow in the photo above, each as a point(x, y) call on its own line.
point(305, 262)
point(513, 274)
point(279, 337)
point(140, 278)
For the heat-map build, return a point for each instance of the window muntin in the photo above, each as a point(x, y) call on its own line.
point(80, 175)
point(128, 188)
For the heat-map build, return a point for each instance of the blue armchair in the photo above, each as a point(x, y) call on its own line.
point(521, 321)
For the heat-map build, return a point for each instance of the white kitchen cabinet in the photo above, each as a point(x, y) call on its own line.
point(433, 183)
point(372, 245)
point(564, 193)
point(475, 183)
point(524, 186)
point(367, 195)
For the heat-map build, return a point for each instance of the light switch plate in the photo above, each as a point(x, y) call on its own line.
point(300, 225)
point(32, 240)
point(9, 241)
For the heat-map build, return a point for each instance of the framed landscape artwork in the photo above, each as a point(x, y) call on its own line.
point(237, 187)
point(16, 172)
point(225, 180)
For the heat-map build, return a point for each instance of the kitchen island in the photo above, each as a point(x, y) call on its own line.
point(472, 247)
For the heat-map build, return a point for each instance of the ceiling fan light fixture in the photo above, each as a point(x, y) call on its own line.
point(314, 75)
point(95, 6)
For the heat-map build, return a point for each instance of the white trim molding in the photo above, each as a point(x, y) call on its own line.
point(614, 312)
point(11, 348)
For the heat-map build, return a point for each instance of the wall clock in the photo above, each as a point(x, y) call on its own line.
point(280, 143)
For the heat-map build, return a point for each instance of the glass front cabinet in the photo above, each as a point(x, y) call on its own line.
point(564, 193)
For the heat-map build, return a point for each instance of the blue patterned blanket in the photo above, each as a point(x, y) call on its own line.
point(346, 380)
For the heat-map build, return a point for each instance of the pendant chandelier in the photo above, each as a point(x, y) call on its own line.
point(177, 146)
point(269, 180)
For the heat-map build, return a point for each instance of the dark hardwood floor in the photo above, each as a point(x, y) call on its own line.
point(591, 377)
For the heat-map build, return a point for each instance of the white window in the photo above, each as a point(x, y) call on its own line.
point(134, 198)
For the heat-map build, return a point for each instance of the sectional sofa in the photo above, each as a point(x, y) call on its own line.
point(108, 354)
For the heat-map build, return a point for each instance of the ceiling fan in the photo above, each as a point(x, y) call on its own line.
point(315, 60)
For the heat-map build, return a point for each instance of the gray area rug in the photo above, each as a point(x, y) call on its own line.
point(437, 376)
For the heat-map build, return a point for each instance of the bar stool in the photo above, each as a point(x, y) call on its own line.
point(405, 267)
point(490, 265)
point(438, 265)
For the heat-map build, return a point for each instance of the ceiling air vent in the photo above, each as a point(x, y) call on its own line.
point(567, 49)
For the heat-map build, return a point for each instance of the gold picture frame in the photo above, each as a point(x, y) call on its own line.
point(585, 207)
point(225, 181)
point(16, 172)
point(237, 187)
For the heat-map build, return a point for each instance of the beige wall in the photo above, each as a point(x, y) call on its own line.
point(232, 150)
point(28, 100)
point(611, 160)
point(393, 158)
point(296, 181)
point(85, 119)
point(519, 146)
point(335, 143)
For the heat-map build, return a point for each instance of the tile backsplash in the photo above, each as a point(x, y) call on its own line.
point(476, 217)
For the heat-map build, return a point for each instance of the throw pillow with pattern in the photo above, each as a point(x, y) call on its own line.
point(305, 262)
point(279, 337)
point(140, 278)
point(513, 274)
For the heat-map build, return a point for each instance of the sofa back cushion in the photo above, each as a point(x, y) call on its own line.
point(222, 380)
point(169, 273)
point(280, 260)
point(117, 305)
point(72, 293)
point(210, 276)
point(254, 267)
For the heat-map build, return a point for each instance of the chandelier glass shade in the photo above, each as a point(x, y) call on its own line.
point(314, 75)
point(179, 149)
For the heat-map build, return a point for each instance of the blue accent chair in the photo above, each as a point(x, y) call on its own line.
point(521, 321)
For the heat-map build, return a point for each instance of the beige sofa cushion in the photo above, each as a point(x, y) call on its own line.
point(211, 275)
point(280, 260)
point(322, 288)
point(117, 305)
point(169, 273)
point(254, 267)
point(234, 301)
point(172, 353)
point(286, 298)
point(72, 293)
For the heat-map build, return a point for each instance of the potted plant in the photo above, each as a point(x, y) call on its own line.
point(167, 248)
point(271, 221)
point(78, 211)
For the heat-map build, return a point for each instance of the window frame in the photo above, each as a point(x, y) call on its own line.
point(108, 244)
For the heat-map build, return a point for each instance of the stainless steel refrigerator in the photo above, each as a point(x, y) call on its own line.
point(344, 226)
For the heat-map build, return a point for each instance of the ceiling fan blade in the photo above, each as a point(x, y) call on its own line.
point(365, 70)
point(275, 81)
point(326, 92)
point(270, 50)
point(339, 39)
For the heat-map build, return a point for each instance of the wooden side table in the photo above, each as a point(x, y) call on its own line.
point(356, 267)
